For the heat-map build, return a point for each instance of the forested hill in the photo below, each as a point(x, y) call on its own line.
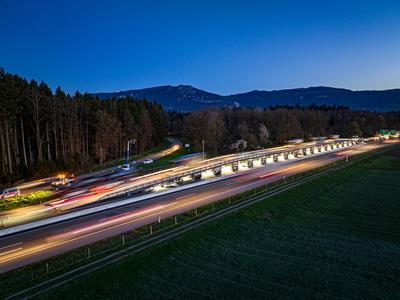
point(174, 98)
point(188, 98)
point(42, 131)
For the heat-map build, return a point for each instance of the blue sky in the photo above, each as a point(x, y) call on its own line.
point(220, 46)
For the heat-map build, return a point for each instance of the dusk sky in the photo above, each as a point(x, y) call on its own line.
point(219, 46)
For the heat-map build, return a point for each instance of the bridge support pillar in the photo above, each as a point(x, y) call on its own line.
point(326, 147)
point(312, 150)
point(196, 176)
point(295, 153)
point(286, 155)
point(235, 167)
point(275, 157)
point(332, 146)
point(319, 148)
point(250, 163)
point(263, 160)
point(304, 152)
point(217, 171)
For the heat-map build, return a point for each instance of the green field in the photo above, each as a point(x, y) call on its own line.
point(335, 238)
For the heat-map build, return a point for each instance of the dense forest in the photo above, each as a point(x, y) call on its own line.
point(42, 131)
point(233, 129)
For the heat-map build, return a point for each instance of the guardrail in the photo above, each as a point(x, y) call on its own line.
point(241, 157)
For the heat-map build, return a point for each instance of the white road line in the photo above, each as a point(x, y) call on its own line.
point(115, 226)
point(230, 183)
point(16, 244)
point(9, 251)
point(185, 196)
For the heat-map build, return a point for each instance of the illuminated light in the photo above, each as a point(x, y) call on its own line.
point(40, 210)
point(344, 152)
point(10, 251)
point(276, 172)
point(270, 174)
point(67, 201)
point(125, 216)
point(75, 193)
point(105, 187)
point(31, 184)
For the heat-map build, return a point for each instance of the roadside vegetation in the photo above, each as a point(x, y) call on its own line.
point(25, 200)
point(335, 237)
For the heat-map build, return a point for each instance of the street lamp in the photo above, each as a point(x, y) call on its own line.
point(127, 149)
point(203, 149)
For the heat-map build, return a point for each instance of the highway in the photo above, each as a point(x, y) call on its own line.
point(90, 190)
point(23, 248)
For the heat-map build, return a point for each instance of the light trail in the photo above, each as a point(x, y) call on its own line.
point(48, 241)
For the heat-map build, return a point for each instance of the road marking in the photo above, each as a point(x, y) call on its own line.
point(278, 172)
point(9, 251)
point(115, 226)
point(230, 183)
point(185, 196)
point(120, 217)
point(118, 225)
point(16, 244)
point(244, 179)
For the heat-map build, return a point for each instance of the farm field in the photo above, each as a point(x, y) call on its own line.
point(335, 238)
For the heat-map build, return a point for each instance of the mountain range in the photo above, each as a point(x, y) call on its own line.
point(189, 98)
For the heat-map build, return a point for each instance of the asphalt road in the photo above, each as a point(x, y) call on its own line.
point(89, 191)
point(27, 247)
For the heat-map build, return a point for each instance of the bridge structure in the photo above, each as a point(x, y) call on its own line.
point(238, 161)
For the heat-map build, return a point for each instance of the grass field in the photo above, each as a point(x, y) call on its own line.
point(335, 238)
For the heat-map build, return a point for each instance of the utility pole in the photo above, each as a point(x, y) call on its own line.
point(127, 149)
point(203, 149)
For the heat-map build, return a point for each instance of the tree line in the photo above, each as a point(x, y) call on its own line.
point(233, 129)
point(42, 131)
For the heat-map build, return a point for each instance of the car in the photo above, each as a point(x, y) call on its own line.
point(11, 192)
point(125, 167)
point(147, 161)
point(63, 180)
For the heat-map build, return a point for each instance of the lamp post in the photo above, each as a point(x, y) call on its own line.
point(127, 149)
point(203, 148)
